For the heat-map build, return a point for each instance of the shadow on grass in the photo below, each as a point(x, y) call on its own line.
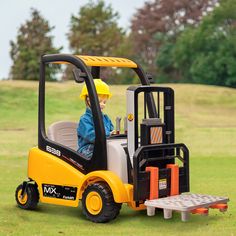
point(128, 222)
point(127, 216)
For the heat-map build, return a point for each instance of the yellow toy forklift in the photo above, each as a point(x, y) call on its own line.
point(138, 167)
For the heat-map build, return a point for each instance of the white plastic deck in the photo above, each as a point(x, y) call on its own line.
point(184, 203)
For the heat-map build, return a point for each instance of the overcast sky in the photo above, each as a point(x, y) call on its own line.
point(13, 13)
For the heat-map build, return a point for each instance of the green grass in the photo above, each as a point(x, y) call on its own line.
point(205, 121)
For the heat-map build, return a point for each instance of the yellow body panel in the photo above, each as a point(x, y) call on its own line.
point(104, 61)
point(107, 61)
point(131, 203)
point(45, 168)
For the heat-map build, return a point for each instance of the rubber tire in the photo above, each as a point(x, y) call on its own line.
point(32, 194)
point(110, 209)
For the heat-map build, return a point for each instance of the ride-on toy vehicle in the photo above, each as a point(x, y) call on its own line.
point(138, 167)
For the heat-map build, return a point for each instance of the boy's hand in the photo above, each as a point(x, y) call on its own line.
point(112, 132)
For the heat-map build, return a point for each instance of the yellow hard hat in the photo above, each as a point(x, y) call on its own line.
point(101, 87)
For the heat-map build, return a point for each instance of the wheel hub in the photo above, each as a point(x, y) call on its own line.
point(94, 203)
point(21, 199)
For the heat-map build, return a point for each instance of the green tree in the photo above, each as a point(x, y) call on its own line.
point(33, 40)
point(207, 54)
point(169, 18)
point(95, 30)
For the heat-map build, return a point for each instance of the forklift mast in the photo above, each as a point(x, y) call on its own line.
point(150, 124)
point(151, 145)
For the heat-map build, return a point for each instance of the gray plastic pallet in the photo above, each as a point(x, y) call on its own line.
point(183, 203)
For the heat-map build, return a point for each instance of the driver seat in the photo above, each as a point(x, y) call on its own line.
point(65, 133)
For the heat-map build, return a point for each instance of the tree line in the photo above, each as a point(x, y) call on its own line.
point(184, 41)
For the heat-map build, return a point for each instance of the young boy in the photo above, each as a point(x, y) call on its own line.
point(85, 130)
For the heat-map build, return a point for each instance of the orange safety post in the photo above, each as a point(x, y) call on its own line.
point(201, 211)
point(174, 188)
point(154, 181)
point(221, 206)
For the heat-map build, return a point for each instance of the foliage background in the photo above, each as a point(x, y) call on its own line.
point(33, 40)
point(176, 41)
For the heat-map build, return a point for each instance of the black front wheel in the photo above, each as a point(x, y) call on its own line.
point(30, 199)
point(98, 204)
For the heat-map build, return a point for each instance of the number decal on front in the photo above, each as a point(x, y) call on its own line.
point(53, 151)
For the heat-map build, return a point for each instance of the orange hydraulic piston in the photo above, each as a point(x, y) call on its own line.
point(174, 188)
point(154, 180)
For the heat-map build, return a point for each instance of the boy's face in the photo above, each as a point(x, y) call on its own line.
point(102, 101)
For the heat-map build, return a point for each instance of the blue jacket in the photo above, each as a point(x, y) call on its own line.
point(86, 131)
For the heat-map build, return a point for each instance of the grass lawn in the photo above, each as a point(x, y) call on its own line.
point(205, 122)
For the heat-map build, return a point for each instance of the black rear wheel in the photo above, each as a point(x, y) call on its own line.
point(30, 199)
point(98, 204)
